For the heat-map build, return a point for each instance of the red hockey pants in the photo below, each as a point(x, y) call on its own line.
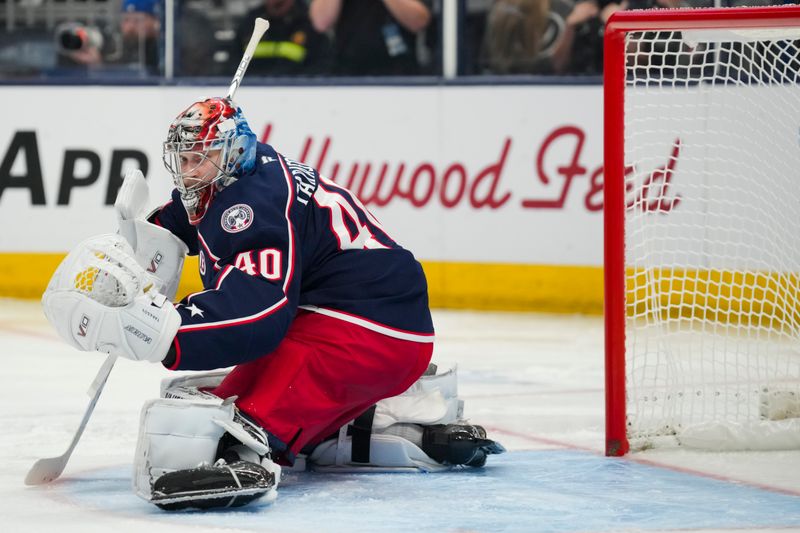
point(323, 374)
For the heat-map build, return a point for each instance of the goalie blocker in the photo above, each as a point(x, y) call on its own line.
point(198, 450)
point(155, 249)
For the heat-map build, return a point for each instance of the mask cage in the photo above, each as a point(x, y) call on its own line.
point(174, 151)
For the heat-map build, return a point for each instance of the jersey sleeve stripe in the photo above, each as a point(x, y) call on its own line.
point(155, 215)
point(211, 255)
point(289, 196)
point(177, 362)
point(373, 326)
point(189, 298)
point(224, 275)
point(236, 321)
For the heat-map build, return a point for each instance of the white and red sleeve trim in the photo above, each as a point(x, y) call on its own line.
point(155, 214)
point(287, 214)
point(177, 362)
point(208, 251)
point(236, 321)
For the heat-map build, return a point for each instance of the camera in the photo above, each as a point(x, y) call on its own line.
point(71, 37)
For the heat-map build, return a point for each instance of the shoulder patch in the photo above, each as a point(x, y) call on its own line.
point(237, 218)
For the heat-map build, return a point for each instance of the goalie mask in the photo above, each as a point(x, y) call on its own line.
point(208, 147)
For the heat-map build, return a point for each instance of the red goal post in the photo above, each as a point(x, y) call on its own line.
point(626, 30)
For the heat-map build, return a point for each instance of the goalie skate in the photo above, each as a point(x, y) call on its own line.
point(459, 444)
point(210, 486)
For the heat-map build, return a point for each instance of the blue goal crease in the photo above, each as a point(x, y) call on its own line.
point(545, 491)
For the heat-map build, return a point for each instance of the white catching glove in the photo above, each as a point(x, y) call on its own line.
point(156, 250)
point(100, 299)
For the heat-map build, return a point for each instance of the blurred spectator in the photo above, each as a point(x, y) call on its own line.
point(471, 31)
point(546, 36)
point(514, 36)
point(290, 47)
point(580, 49)
point(195, 45)
point(135, 45)
point(373, 37)
point(140, 27)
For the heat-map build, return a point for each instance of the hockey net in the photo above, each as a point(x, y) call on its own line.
point(702, 187)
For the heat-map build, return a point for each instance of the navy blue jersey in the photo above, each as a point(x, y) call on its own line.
point(283, 238)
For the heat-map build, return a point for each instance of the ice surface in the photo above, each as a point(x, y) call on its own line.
point(535, 382)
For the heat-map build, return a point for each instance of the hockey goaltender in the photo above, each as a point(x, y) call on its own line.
point(322, 316)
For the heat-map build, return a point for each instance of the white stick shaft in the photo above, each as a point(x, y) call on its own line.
point(260, 28)
point(48, 469)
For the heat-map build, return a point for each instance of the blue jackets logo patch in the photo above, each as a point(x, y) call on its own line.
point(237, 218)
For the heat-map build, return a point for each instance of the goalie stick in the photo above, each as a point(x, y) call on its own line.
point(50, 468)
point(260, 27)
point(47, 469)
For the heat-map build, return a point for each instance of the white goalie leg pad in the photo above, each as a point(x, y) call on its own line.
point(176, 434)
point(176, 387)
point(388, 453)
point(432, 399)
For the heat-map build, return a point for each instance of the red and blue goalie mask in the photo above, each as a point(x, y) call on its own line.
point(208, 147)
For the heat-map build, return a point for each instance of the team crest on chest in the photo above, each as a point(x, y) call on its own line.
point(237, 218)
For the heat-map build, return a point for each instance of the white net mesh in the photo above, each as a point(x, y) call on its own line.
point(712, 244)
